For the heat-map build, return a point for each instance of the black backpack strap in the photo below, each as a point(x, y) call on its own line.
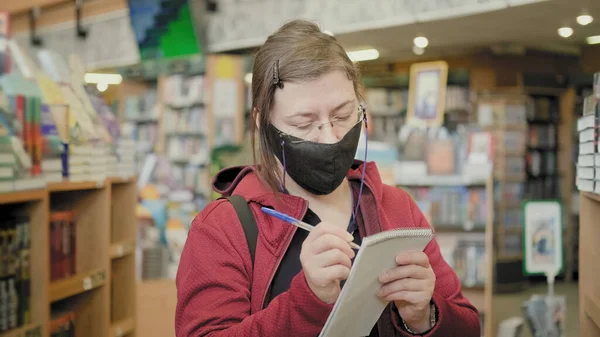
point(247, 220)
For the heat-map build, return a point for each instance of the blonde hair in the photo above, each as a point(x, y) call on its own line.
point(299, 51)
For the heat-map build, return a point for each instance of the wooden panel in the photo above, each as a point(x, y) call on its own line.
point(156, 308)
point(65, 11)
point(92, 317)
point(75, 186)
point(77, 284)
point(22, 196)
point(123, 287)
point(590, 58)
point(14, 7)
point(123, 219)
point(589, 290)
point(120, 249)
point(39, 273)
point(567, 174)
point(122, 327)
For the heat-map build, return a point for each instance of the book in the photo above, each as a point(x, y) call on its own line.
point(588, 160)
point(62, 244)
point(358, 308)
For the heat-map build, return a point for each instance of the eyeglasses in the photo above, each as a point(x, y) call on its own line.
point(340, 125)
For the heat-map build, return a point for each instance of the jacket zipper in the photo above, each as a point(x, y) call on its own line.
point(282, 253)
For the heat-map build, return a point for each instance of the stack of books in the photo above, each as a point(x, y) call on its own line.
point(15, 290)
point(126, 154)
point(20, 141)
point(52, 147)
point(588, 162)
point(62, 244)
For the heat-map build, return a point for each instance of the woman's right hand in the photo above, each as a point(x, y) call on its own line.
point(326, 260)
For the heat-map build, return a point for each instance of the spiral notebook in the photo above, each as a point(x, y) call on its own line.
point(358, 308)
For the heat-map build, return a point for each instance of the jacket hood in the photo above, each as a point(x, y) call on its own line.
point(244, 181)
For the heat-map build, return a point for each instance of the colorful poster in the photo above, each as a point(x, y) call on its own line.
point(543, 237)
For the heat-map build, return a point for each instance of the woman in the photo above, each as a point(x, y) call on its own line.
point(307, 118)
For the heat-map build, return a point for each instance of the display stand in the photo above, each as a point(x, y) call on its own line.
point(589, 255)
point(101, 292)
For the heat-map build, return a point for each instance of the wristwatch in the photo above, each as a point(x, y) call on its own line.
point(432, 321)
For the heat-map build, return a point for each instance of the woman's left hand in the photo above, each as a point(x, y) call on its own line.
point(410, 285)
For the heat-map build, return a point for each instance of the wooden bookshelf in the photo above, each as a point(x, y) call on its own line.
point(35, 204)
point(589, 276)
point(123, 233)
point(77, 284)
point(479, 295)
point(102, 292)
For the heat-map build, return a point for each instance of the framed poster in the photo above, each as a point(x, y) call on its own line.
point(427, 94)
point(542, 237)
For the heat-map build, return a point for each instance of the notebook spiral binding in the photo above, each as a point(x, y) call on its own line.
point(413, 232)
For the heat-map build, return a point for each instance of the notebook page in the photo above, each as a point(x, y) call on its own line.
point(358, 308)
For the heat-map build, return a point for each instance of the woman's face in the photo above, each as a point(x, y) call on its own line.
point(304, 109)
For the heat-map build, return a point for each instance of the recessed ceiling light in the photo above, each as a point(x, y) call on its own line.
point(593, 39)
point(565, 31)
point(363, 55)
point(418, 50)
point(585, 19)
point(421, 41)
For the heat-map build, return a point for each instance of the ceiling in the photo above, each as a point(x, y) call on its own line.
point(532, 26)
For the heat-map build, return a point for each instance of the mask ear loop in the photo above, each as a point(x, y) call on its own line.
point(362, 179)
point(284, 165)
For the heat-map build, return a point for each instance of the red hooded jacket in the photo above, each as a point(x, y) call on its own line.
point(220, 294)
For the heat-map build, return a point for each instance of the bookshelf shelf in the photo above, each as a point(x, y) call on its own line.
point(77, 284)
point(509, 258)
point(75, 186)
point(122, 328)
point(458, 229)
point(21, 332)
point(121, 249)
point(22, 196)
point(122, 180)
point(450, 180)
point(592, 196)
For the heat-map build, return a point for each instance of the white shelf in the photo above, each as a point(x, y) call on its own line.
point(451, 180)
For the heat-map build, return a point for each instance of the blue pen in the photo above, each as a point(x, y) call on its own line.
point(296, 222)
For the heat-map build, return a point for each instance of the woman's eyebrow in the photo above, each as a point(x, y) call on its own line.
point(312, 113)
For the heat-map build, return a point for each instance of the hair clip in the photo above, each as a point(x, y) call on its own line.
point(276, 80)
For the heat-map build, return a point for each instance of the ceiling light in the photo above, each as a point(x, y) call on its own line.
point(418, 50)
point(102, 86)
point(363, 55)
point(593, 39)
point(106, 78)
point(421, 41)
point(248, 78)
point(584, 19)
point(565, 31)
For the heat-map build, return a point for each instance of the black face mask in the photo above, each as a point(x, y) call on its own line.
point(318, 168)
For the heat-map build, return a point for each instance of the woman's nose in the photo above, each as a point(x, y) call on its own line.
point(327, 134)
